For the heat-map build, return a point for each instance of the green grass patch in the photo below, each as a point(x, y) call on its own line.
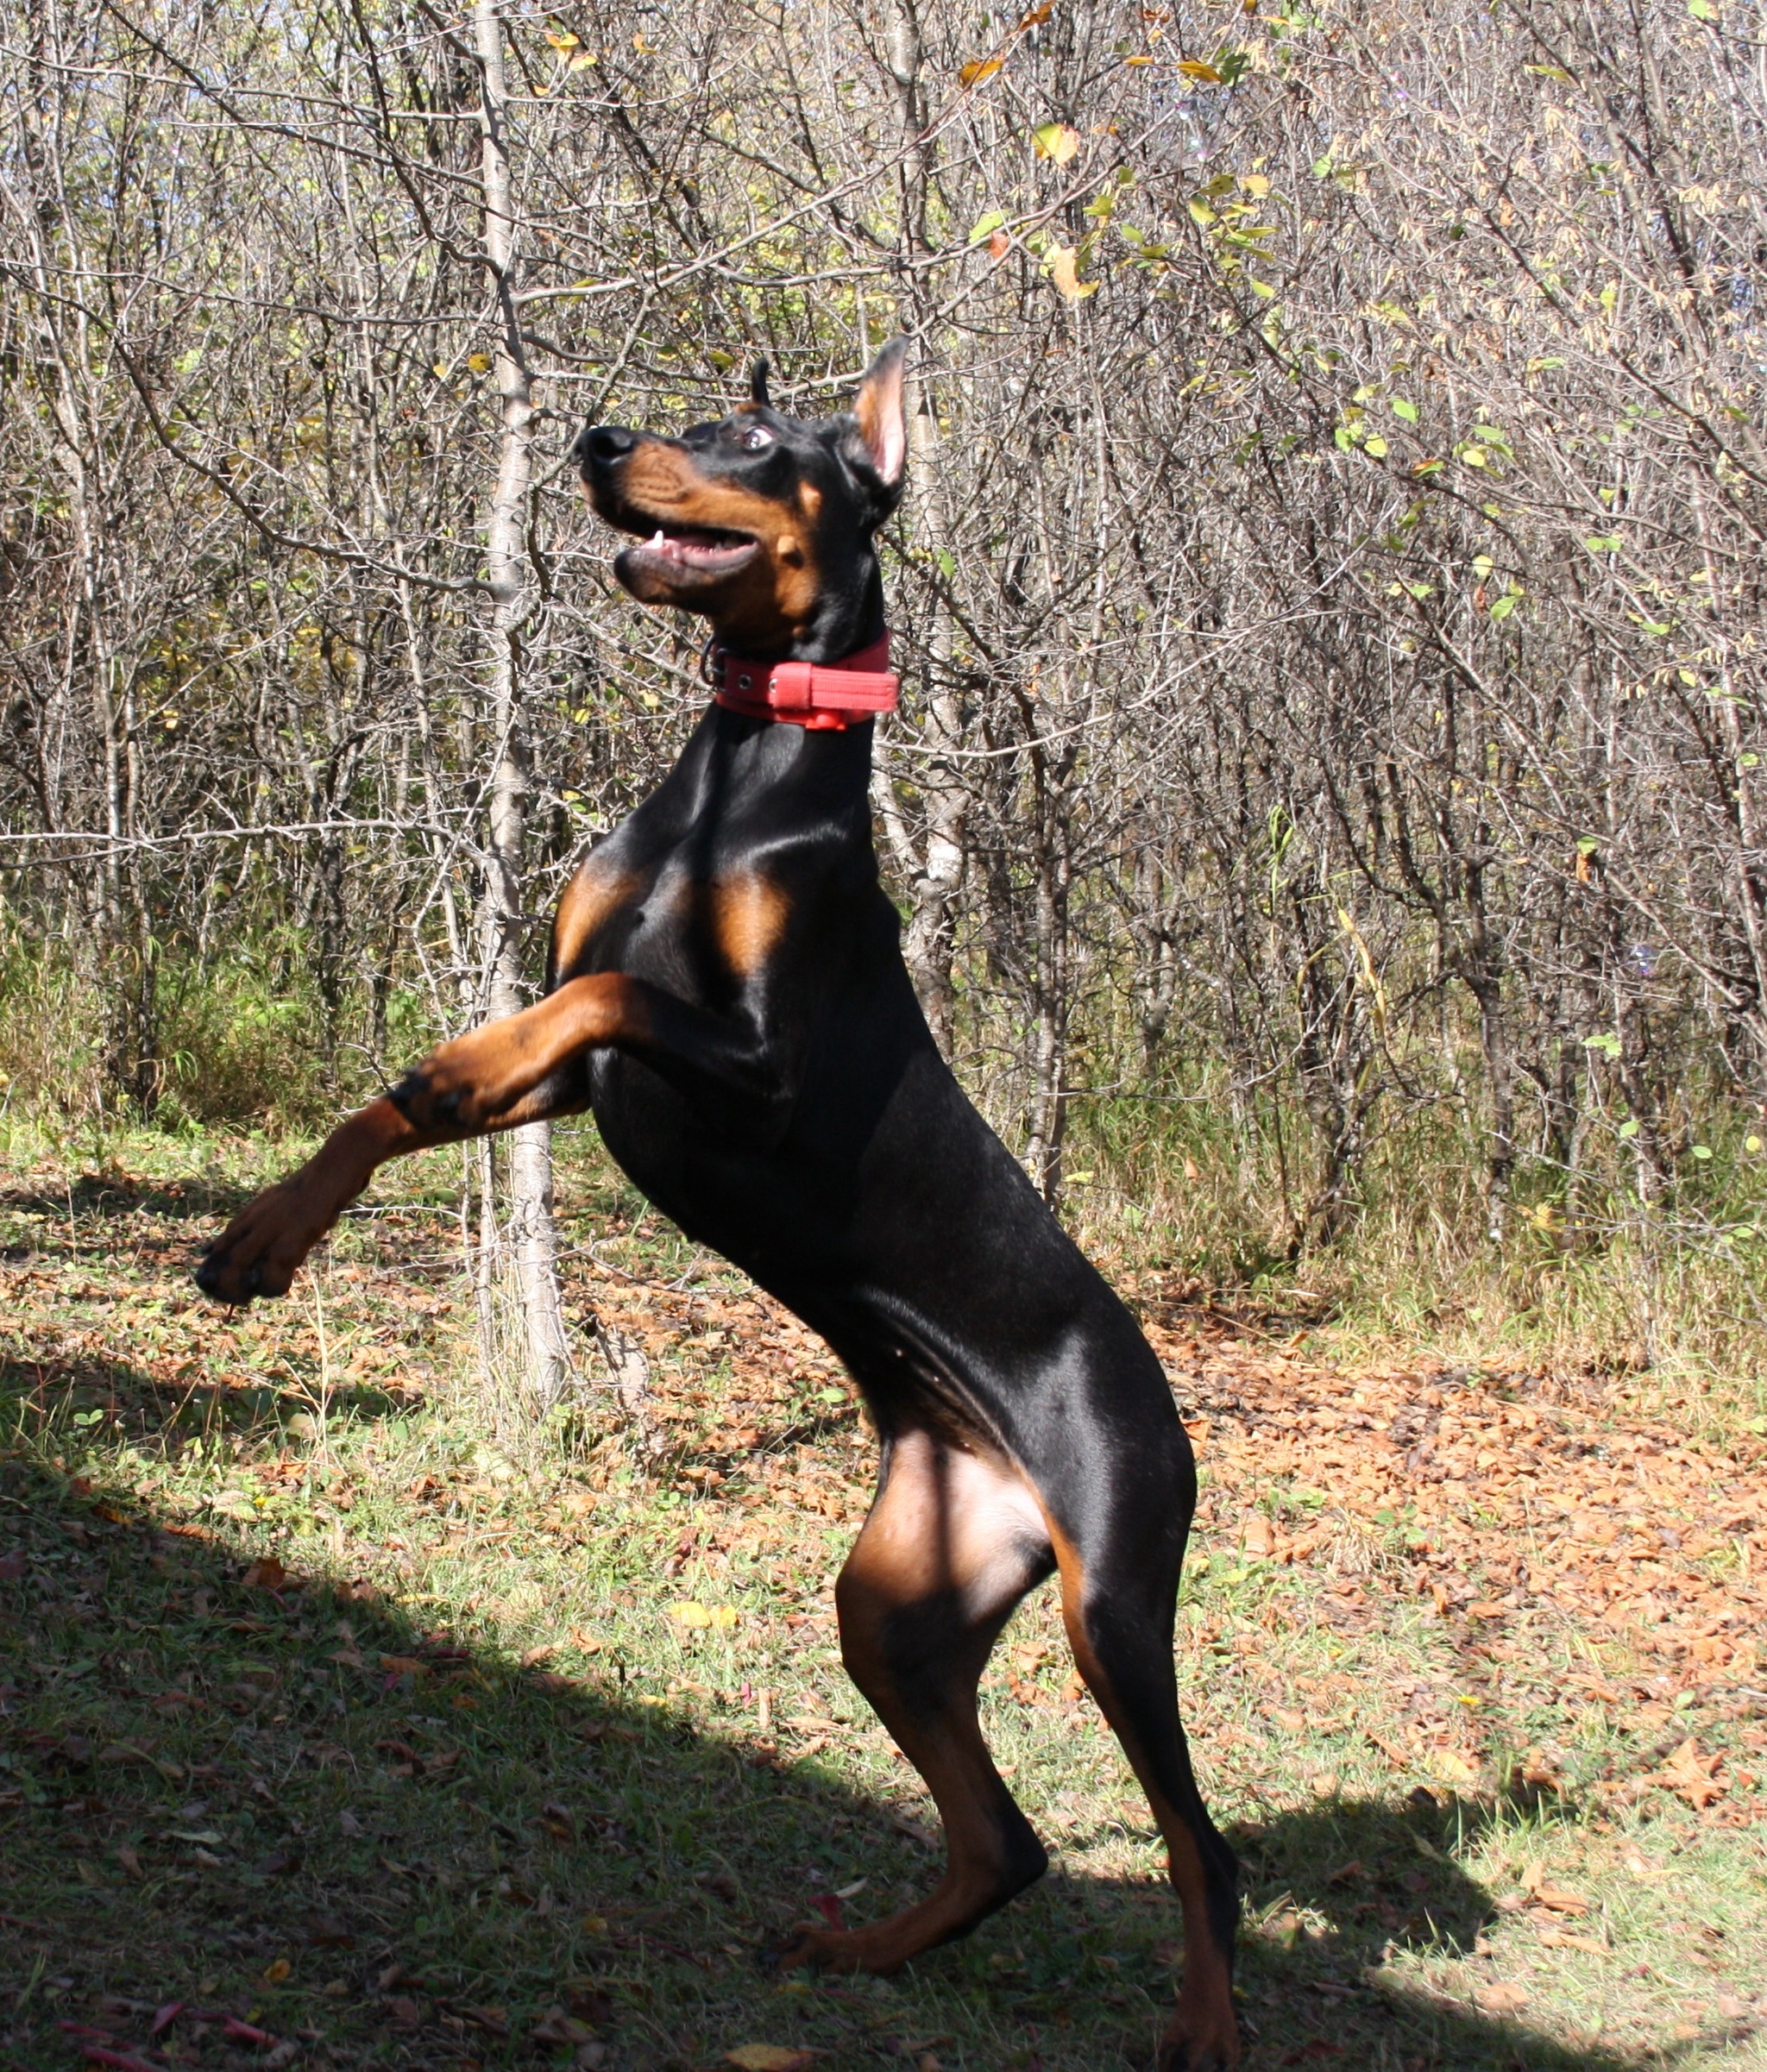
point(328, 1711)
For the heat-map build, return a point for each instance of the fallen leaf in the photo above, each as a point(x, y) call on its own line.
point(973, 75)
point(768, 2057)
point(268, 1573)
point(1450, 1767)
point(273, 1974)
point(1562, 1938)
point(1501, 1999)
point(402, 1664)
point(1689, 1774)
point(556, 2027)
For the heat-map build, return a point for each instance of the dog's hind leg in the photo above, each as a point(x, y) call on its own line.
point(1119, 1541)
point(952, 1542)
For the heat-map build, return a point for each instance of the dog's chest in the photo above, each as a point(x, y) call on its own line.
point(668, 918)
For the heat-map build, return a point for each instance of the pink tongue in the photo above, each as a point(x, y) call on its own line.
point(704, 551)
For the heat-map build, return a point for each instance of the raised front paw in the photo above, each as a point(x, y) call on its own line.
point(261, 1248)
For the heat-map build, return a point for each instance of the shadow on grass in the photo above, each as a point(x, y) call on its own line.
point(359, 1842)
point(61, 1389)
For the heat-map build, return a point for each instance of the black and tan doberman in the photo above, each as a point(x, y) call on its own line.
point(726, 991)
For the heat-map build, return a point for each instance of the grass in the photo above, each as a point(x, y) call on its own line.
point(325, 1712)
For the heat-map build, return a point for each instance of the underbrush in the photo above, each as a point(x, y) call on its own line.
point(1179, 1176)
point(1585, 1273)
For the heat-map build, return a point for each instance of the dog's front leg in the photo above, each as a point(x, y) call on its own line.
point(527, 1068)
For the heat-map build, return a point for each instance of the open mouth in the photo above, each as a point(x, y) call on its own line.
point(691, 550)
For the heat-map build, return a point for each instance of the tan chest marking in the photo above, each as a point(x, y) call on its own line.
point(748, 914)
point(592, 896)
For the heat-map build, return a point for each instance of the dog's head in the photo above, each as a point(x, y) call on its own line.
point(762, 522)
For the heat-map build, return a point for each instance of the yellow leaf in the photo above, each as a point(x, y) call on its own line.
point(768, 2057)
point(478, 362)
point(972, 75)
point(724, 1616)
point(1056, 142)
point(560, 38)
point(690, 1614)
point(1197, 68)
point(275, 1974)
point(1061, 271)
point(583, 60)
point(1450, 1768)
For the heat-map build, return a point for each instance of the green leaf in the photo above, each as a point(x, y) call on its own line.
point(1702, 1151)
point(1702, 10)
point(1403, 407)
point(1504, 605)
point(1376, 446)
point(985, 226)
point(1605, 543)
point(1629, 1129)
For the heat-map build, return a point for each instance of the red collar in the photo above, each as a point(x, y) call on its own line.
point(817, 694)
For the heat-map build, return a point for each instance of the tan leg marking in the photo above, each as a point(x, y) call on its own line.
point(261, 1249)
point(1204, 2033)
point(948, 1550)
point(478, 1082)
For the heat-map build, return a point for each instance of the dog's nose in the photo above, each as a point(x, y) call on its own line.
point(602, 445)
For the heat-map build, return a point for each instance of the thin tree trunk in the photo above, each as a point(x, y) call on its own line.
point(529, 1237)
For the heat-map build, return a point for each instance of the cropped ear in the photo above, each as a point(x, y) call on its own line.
point(882, 413)
point(757, 384)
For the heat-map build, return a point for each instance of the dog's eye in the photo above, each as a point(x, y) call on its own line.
point(755, 437)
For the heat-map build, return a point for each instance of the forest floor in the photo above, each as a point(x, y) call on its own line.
point(335, 1732)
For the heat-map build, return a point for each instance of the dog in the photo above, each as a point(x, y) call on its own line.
point(725, 990)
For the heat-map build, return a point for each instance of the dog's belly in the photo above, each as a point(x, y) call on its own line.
point(904, 1233)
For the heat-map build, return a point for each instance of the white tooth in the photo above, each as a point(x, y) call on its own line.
point(659, 540)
